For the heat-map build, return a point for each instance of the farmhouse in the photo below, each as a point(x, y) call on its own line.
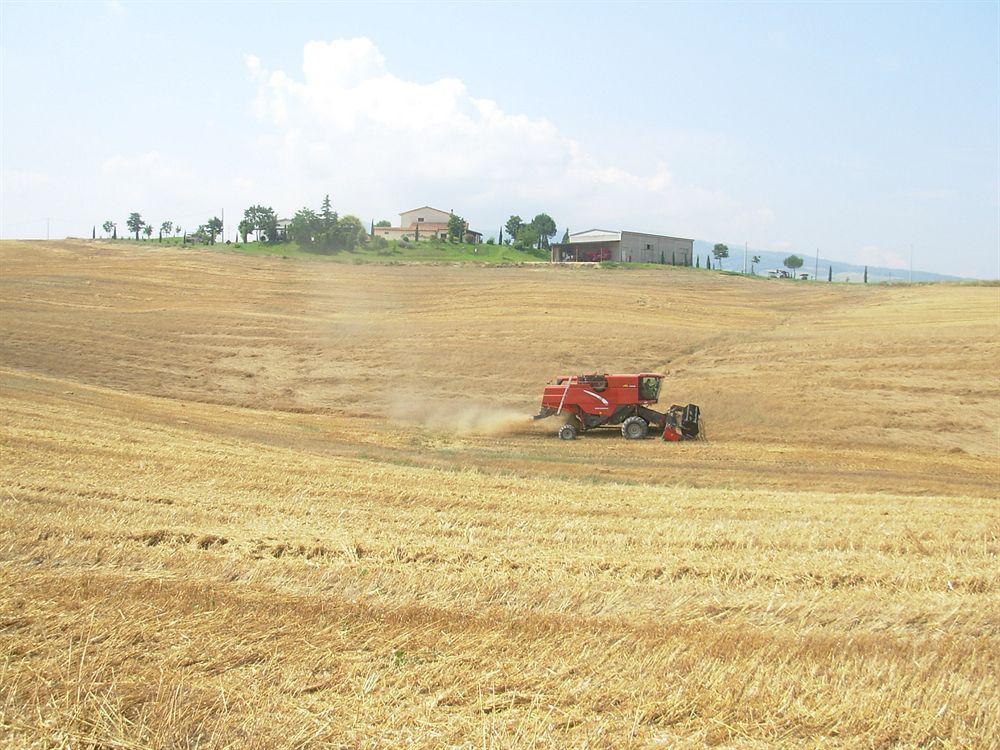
point(629, 247)
point(424, 223)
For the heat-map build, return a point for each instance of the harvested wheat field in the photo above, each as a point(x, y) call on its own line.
point(261, 503)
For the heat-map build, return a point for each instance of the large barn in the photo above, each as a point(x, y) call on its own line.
point(624, 246)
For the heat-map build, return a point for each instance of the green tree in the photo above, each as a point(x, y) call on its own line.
point(166, 228)
point(135, 223)
point(304, 228)
point(350, 232)
point(212, 229)
point(708, 262)
point(697, 262)
point(456, 227)
point(753, 262)
point(148, 231)
point(720, 251)
point(565, 237)
point(866, 274)
point(545, 228)
point(829, 273)
point(269, 223)
point(108, 226)
point(244, 229)
point(328, 235)
point(527, 239)
point(249, 223)
point(792, 262)
point(383, 223)
point(513, 226)
point(262, 221)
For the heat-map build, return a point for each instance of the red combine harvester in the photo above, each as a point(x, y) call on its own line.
point(589, 401)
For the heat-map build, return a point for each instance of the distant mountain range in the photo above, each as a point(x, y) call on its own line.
point(841, 271)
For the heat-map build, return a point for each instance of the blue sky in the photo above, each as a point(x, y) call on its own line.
point(853, 128)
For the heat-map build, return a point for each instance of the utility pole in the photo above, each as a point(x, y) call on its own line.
point(816, 268)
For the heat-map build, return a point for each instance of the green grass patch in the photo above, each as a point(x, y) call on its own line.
point(395, 252)
point(631, 266)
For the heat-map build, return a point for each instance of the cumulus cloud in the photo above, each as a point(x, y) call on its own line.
point(152, 180)
point(150, 165)
point(931, 194)
point(873, 255)
point(348, 125)
point(18, 180)
point(166, 185)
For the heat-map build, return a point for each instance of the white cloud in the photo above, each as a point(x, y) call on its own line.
point(17, 180)
point(379, 142)
point(150, 166)
point(162, 185)
point(873, 255)
point(931, 194)
point(151, 180)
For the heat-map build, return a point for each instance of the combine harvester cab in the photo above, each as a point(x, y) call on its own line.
point(586, 402)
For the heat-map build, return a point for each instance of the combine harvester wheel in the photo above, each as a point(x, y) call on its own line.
point(635, 428)
point(567, 432)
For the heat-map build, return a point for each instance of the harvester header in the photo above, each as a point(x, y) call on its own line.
point(585, 402)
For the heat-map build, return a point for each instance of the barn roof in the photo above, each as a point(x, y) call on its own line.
point(421, 208)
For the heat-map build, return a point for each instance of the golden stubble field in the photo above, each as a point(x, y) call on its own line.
point(254, 502)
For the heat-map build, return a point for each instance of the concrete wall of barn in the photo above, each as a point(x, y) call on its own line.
point(636, 247)
point(430, 215)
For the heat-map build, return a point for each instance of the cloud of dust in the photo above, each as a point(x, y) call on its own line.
point(461, 418)
point(391, 359)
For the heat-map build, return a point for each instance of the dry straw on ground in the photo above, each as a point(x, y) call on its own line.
point(258, 503)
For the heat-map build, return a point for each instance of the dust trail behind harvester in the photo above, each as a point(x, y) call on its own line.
point(463, 418)
point(407, 366)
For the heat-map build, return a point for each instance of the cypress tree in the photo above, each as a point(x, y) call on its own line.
point(708, 262)
point(866, 274)
point(829, 274)
point(697, 262)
